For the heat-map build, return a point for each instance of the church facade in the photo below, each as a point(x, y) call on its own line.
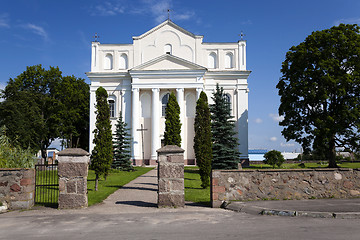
point(139, 77)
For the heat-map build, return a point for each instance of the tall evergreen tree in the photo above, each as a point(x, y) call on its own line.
point(121, 146)
point(202, 139)
point(172, 122)
point(102, 154)
point(225, 145)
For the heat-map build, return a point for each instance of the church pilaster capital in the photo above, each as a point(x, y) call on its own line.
point(155, 90)
point(180, 89)
point(135, 89)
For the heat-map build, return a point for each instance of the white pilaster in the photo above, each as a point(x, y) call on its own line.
point(155, 123)
point(180, 100)
point(135, 124)
point(242, 55)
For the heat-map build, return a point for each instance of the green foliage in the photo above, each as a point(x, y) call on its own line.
point(121, 145)
point(172, 122)
point(319, 91)
point(102, 154)
point(225, 146)
point(41, 105)
point(202, 139)
point(273, 158)
point(12, 156)
point(73, 94)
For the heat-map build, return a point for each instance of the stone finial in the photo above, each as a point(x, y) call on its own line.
point(170, 149)
point(73, 152)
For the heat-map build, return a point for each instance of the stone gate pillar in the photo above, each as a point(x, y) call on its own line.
point(171, 176)
point(73, 172)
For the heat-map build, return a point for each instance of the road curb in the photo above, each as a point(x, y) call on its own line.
point(243, 207)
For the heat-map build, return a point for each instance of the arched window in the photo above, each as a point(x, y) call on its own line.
point(108, 64)
point(112, 107)
point(168, 49)
point(228, 99)
point(229, 60)
point(164, 102)
point(123, 61)
point(212, 60)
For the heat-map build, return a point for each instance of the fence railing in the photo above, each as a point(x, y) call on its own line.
point(46, 185)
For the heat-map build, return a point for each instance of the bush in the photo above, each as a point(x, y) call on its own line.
point(12, 156)
point(273, 158)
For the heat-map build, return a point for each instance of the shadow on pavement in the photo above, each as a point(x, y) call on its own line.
point(137, 203)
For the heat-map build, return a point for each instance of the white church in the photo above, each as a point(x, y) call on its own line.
point(139, 77)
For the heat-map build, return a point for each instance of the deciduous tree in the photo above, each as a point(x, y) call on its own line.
point(273, 158)
point(319, 91)
point(202, 139)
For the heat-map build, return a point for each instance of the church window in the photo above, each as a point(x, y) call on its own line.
point(168, 49)
point(212, 60)
point(228, 99)
point(112, 107)
point(229, 60)
point(123, 61)
point(164, 102)
point(108, 64)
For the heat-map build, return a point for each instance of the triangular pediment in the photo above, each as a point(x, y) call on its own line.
point(168, 62)
point(169, 23)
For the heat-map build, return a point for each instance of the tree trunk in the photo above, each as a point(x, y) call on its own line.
point(332, 154)
point(96, 182)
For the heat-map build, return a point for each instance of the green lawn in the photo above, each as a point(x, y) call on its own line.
point(193, 190)
point(114, 181)
point(307, 165)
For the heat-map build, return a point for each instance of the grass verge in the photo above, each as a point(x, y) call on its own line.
point(193, 190)
point(115, 180)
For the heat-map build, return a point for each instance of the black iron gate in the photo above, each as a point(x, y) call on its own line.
point(46, 185)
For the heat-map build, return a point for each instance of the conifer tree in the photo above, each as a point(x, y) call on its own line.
point(172, 122)
point(202, 139)
point(102, 154)
point(225, 145)
point(121, 145)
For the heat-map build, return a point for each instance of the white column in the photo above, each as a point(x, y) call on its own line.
point(180, 100)
point(135, 124)
point(198, 91)
point(155, 123)
point(242, 55)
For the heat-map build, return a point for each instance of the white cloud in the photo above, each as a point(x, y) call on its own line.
point(287, 144)
point(107, 9)
point(273, 139)
point(276, 117)
point(258, 120)
point(355, 20)
point(37, 30)
point(4, 20)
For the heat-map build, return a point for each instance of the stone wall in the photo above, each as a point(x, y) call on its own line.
point(245, 185)
point(17, 188)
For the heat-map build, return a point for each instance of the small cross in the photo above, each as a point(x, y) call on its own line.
point(242, 35)
point(96, 37)
point(168, 11)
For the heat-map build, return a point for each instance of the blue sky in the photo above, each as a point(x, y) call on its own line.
point(59, 33)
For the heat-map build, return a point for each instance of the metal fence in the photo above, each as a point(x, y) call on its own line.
point(46, 185)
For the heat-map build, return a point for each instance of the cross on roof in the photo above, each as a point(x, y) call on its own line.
point(242, 35)
point(96, 37)
point(168, 12)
